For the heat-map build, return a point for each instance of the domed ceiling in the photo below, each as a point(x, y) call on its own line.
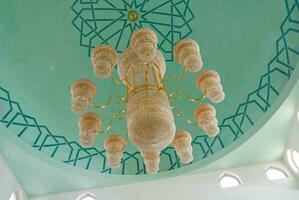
point(46, 45)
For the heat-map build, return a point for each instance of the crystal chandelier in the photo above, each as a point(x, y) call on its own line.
point(148, 114)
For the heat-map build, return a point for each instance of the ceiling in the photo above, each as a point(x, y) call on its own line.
point(23, 159)
point(252, 44)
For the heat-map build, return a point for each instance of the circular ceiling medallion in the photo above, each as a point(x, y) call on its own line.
point(133, 15)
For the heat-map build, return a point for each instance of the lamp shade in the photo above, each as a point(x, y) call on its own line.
point(114, 146)
point(89, 125)
point(82, 92)
point(182, 144)
point(209, 83)
point(103, 59)
point(205, 115)
point(187, 53)
point(144, 42)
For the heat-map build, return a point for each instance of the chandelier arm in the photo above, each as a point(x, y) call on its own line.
point(109, 100)
point(179, 113)
point(127, 138)
point(183, 92)
point(165, 84)
point(113, 117)
point(126, 141)
point(178, 78)
point(116, 81)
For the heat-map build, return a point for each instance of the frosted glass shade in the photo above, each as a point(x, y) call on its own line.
point(187, 53)
point(205, 115)
point(114, 146)
point(182, 144)
point(82, 92)
point(89, 126)
point(103, 58)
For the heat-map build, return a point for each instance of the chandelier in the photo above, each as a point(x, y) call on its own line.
point(149, 115)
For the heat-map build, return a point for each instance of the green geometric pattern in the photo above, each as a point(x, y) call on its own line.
point(272, 82)
point(96, 26)
point(279, 70)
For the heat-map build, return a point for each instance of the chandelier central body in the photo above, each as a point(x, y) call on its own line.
point(150, 120)
point(149, 116)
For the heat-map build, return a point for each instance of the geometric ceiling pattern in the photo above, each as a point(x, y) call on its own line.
point(106, 22)
point(271, 83)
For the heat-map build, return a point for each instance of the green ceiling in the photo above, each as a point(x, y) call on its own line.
point(24, 160)
point(45, 47)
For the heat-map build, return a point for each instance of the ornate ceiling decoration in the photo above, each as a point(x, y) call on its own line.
point(233, 127)
point(113, 22)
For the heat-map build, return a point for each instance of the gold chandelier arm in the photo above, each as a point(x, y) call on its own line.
point(179, 78)
point(173, 97)
point(167, 78)
point(179, 113)
point(116, 81)
point(109, 100)
point(113, 117)
point(127, 138)
point(165, 84)
point(126, 141)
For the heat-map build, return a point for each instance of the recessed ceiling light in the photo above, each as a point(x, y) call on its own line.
point(274, 173)
point(296, 158)
point(13, 196)
point(228, 180)
point(86, 196)
point(293, 159)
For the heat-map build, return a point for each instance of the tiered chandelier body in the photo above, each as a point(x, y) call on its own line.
point(149, 115)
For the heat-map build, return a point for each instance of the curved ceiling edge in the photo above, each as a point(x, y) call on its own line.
point(10, 138)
